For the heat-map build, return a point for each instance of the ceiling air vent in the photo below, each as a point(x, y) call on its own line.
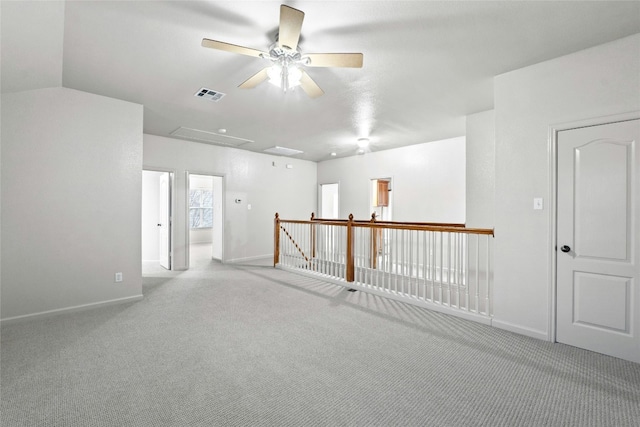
point(209, 94)
point(282, 151)
point(209, 137)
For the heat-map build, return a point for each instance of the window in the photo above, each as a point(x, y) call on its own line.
point(200, 208)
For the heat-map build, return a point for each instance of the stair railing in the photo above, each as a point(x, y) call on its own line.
point(445, 265)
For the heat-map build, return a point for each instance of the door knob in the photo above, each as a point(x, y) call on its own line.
point(159, 225)
point(565, 248)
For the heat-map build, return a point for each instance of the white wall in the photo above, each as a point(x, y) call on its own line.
point(71, 191)
point(249, 177)
point(601, 81)
point(150, 219)
point(481, 169)
point(31, 54)
point(428, 181)
point(0, 210)
point(203, 235)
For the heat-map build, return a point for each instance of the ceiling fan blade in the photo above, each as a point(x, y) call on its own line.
point(255, 80)
point(290, 27)
point(213, 44)
point(348, 60)
point(309, 86)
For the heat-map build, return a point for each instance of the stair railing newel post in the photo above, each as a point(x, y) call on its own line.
point(374, 243)
point(350, 273)
point(276, 240)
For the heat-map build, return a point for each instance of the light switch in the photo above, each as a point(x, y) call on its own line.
point(249, 206)
point(537, 203)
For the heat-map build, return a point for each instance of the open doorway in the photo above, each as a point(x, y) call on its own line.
point(329, 201)
point(204, 219)
point(157, 190)
point(380, 198)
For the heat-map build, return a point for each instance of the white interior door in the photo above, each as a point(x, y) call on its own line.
point(598, 299)
point(164, 221)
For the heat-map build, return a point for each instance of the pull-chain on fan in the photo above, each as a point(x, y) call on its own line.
point(287, 70)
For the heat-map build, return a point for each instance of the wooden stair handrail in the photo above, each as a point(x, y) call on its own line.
point(344, 221)
point(448, 228)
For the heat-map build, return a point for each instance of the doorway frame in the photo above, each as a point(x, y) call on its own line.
point(554, 129)
point(391, 180)
point(186, 221)
point(172, 205)
point(319, 205)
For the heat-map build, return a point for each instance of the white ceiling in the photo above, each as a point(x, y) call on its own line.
point(427, 64)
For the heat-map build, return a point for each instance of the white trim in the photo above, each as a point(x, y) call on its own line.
point(430, 306)
point(251, 258)
point(157, 169)
point(83, 307)
point(553, 190)
point(186, 220)
point(596, 121)
point(552, 202)
point(522, 330)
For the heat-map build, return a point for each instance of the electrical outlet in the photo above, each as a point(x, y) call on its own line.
point(537, 203)
point(118, 277)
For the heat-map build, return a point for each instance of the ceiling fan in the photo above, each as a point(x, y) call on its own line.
point(287, 61)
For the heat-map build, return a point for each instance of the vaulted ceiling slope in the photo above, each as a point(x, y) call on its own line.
point(427, 64)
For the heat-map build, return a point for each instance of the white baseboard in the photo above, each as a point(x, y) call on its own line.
point(251, 258)
point(522, 330)
point(75, 308)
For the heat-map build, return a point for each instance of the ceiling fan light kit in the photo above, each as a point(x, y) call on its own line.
point(363, 142)
point(287, 69)
point(284, 74)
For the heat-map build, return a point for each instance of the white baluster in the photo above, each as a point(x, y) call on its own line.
point(441, 267)
point(466, 272)
point(488, 290)
point(449, 268)
point(432, 262)
point(477, 298)
point(421, 272)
